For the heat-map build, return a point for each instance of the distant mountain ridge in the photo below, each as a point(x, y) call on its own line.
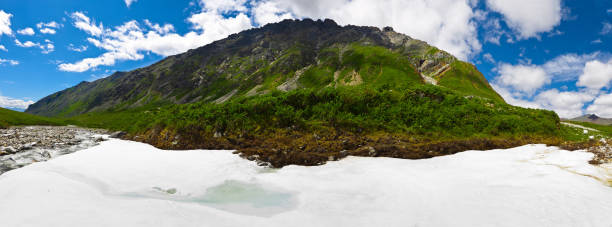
point(288, 55)
point(592, 118)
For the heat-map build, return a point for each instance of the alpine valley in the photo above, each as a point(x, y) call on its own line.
point(306, 92)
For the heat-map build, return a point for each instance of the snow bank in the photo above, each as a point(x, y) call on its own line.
point(122, 183)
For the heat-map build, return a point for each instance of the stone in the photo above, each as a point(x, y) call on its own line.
point(371, 152)
point(118, 134)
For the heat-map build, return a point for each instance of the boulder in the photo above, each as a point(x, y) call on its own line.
point(118, 134)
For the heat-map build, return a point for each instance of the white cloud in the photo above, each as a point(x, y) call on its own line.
point(47, 31)
point(81, 48)
point(167, 28)
point(602, 106)
point(447, 24)
point(493, 31)
point(131, 41)
point(7, 102)
point(5, 23)
point(565, 104)
point(522, 78)
point(523, 85)
point(51, 24)
point(269, 12)
point(224, 6)
point(84, 23)
point(488, 58)
point(569, 66)
point(46, 47)
point(596, 75)
point(528, 17)
point(607, 28)
point(129, 2)
point(215, 26)
point(26, 31)
point(510, 98)
point(26, 44)
point(48, 28)
point(8, 61)
point(3, 48)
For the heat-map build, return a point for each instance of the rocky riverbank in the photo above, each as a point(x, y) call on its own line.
point(288, 147)
point(20, 146)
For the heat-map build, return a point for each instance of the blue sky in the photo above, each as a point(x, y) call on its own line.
point(549, 54)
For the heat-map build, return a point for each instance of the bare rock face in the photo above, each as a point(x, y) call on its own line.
point(21, 146)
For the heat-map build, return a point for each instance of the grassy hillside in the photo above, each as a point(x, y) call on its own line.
point(466, 79)
point(423, 110)
point(285, 56)
point(14, 118)
point(603, 129)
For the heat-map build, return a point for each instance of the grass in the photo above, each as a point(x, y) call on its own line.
point(604, 130)
point(423, 110)
point(14, 118)
point(466, 79)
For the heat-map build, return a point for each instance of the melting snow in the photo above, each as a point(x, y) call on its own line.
point(122, 183)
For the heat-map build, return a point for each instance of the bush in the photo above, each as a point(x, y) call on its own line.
point(421, 109)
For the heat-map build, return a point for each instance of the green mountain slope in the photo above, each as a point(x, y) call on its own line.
point(14, 118)
point(285, 56)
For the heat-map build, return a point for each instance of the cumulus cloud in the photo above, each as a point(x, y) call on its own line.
point(26, 44)
point(47, 31)
point(26, 31)
point(596, 75)
point(569, 66)
point(49, 27)
point(51, 24)
point(8, 61)
point(269, 12)
point(525, 79)
point(566, 104)
point(74, 48)
point(602, 106)
point(447, 24)
point(528, 18)
point(85, 24)
point(7, 102)
point(3, 48)
point(510, 98)
point(525, 84)
point(46, 47)
point(5, 23)
point(132, 40)
point(167, 28)
point(129, 2)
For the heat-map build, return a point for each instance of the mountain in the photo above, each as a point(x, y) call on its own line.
point(289, 55)
point(592, 118)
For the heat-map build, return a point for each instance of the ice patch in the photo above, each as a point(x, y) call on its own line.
point(122, 183)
